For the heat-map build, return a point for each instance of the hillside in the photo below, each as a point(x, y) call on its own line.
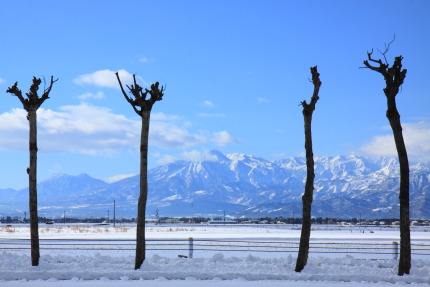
point(240, 185)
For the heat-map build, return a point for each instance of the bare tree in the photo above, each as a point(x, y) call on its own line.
point(31, 103)
point(394, 77)
point(142, 107)
point(307, 197)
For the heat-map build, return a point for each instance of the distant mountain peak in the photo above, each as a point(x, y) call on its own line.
point(242, 185)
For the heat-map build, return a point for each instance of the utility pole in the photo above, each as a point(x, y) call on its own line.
point(359, 223)
point(158, 217)
point(114, 219)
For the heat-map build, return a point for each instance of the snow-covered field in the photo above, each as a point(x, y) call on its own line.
point(71, 267)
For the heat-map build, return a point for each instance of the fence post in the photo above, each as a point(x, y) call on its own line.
point(190, 248)
point(395, 250)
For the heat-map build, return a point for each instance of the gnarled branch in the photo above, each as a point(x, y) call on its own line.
point(156, 94)
point(317, 84)
point(46, 92)
point(127, 97)
point(17, 92)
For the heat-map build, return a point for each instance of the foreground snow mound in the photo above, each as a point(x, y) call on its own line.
point(218, 267)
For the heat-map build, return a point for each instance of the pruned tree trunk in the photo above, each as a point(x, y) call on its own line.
point(405, 233)
point(394, 77)
point(31, 103)
point(141, 209)
point(307, 197)
point(142, 107)
point(32, 188)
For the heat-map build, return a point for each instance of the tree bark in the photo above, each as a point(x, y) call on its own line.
point(32, 187)
point(394, 77)
point(307, 197)
point(405, 238)
point(142, 106)
point(31, 104)
point(141, 206)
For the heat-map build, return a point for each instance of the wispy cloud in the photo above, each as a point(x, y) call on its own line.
point(145, 60)
point(223, 138)
point(107, 79)
point(193, 155)
point(262, 100)
point(417, 140)
point(94, 130)
point(119, 177)
point(166, 159)
point(207, 115)
point(2, 81)
point(208, 104)
point(87, 96)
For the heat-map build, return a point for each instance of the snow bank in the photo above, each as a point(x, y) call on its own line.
point(239, 269)
point(219, 267)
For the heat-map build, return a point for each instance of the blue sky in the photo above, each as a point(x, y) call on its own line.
point(236, 72)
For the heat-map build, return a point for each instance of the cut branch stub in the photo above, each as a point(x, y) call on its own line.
point(394, 75)
point(309, 108)
point(139, 102)
point(32, 101)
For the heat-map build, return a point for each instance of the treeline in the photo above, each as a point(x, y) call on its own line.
point(200, 220)
point(16, 219)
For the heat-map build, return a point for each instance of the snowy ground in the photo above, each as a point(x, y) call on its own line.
point(70, 268)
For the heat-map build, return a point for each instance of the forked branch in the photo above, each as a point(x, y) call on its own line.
point(17, 92)
point(139, 100)
point(32, 100)
point(317, 84)
point(47, 91)
point(130, 100)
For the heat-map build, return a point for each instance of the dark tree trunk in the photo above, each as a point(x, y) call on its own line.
point(32, 187)
point(394, 77)
point(142, 107)
point(307, 197)
point(141, 207)
point(405, 238)
point(31, 104)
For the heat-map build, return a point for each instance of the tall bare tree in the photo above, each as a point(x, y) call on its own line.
point(31, 103)
point(142, 106)
point(307, 197)
point(394, 77)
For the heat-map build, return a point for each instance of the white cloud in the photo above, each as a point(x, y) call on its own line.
point(166, 159)
point(96, 130)
point(119, 177)
point(262, 100)
point(86, 96)
point(208, 104)
point(192, 155)
point(417, 141)
point(206, 115)
point(195, 155)
point(107, 78)
point(164, 117)
point(2, 81)
point(168, 135)
point(222, 138)
point(145, 60)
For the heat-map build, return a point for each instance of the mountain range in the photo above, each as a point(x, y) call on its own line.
point(237, 185)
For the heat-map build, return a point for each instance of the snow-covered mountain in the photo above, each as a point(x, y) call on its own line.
point(239, 184)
